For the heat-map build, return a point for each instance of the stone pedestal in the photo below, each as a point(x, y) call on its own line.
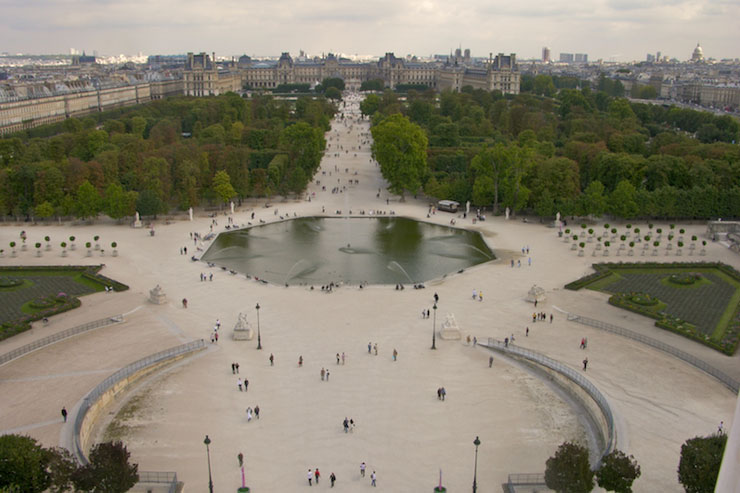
point(242, 330)
point(536, 293)
point(157, 295)
point(450, 330)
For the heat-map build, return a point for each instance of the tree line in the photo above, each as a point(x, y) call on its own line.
point(174, 153)
point(580, 152)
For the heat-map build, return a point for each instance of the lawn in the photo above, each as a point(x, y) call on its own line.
point(697, 300)
point(44, 291)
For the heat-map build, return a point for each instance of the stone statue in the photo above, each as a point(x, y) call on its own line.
point(450, 329)
point(242, 330)
point(157, 295)
point(190, 213)
point(536, 293)
point(467, 207)
point(137, 220)
point(557, 218)
point(232, 206)
point(507, 213)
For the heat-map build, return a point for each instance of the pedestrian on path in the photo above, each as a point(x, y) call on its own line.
point(272, 360)
point(395, 355)
point(317, 475)
point(342, 357)
point(337, 358)
point(239, 384)
point(345, 423)
point(327, 375)
point(332, 478)
point(323, 373)
point(375, 348)
point(240, 458)
point(490, 361)
point(362, 469)
point(300, 361)
point(257, 412)
point(236, 365)
point(64, 414)
point(310, 476)
point(373, 478)
point(585, 364)
point(369, 347)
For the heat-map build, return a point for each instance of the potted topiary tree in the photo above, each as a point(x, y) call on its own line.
point(703, 247)
point(623, 238)
point(632, 249)
point(659, 231)
point(598, 243)
point(607, 244)
point(12, 252)
point(637, 234)
point(582, 245)
point(629, 228)
point(590, 235)
point(48, 244)
point(680, 246)
point(681, 232)
point(656, 244)
point(64, 248)
point(113, 246)
point(567, 235)
point(647, 242)
point(97, 245)
point(88, 245)
point(72, 243)
point(575, 240)
point(38, 248)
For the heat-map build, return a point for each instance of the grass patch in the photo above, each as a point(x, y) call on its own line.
point(32, 299)
point(697, 300)
point(119, 427)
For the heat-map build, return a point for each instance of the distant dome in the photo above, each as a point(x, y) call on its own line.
point(698, 53)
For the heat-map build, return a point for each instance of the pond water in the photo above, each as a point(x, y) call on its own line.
point(374, 250)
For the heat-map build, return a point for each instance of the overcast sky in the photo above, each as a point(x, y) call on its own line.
point(608, 29)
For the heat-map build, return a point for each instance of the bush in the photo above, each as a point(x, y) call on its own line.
point(700, 461)
point(568, 471)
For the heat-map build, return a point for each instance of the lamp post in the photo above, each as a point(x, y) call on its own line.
point(259, 338)
point(207, 441)
point(434, 327)
point(476, 442)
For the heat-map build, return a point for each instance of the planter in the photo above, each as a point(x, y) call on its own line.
point(115, 253)
point(606, 253)
point(598, 246)
point(48, 247)
point(642, 253)
point(38, 253)
point(580, 253)
point(72, 247)
point(97, 246)
point(440, 489)
point(24, 247)
point(64, 253)
point(243, 489)
point(655, 252)
point(13, 254)
point(678, 252)
point(574, 247)
point(631, 253)
point(593, 253)
point(703, 252)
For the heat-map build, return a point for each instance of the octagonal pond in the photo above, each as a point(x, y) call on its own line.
point(373, 250)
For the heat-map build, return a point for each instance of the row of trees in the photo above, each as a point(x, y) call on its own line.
point(580, 153)
point(179, 152)
point(26, 466)
point(569, 471)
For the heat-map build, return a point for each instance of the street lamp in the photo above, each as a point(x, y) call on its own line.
point(207, 441)
point(259, 339)
point(476, 442)
point(434, 328)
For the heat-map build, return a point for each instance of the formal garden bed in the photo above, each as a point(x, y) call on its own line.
point(35, 293)
point(698, 300)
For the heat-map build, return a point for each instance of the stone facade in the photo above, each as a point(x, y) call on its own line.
point(25, 113)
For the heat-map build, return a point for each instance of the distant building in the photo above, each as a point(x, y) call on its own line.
point(83, 59)
point(650, 58)
point(698, 54)
point(581, 58)
point(546, 54)
point(567, 57)
point(202, 77)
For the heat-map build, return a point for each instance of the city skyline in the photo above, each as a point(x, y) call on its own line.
point(618, 30)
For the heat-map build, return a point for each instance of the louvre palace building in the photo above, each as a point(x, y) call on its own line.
point(203, 77)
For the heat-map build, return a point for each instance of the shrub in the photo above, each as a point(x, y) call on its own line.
point(113, 244)
point(47, 239)
point(63, 244)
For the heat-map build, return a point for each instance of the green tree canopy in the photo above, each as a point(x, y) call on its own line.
point(87, 201)
point(222, 186)
point(617, 472)
point(701, 458)
point(568, 471)
point(24, 464)
point(109, 470)
point(400, 149)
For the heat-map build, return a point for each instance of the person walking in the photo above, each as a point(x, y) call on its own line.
point(362, 469)
point(64, 414)
point(369, 347)
point(337, 358)
point(327, 375)
point(395, 355)
point(373, 478)
point(585, 364)
point(272, 360)
point(236, 365)
point(490, 361)
point(300, 361)
point(240, 458)
point(375, 348)
point(323, 373)
point(249, 414)
point(342, 357)
point(332, 478)
point(239, 384)
point(317, 475)
point(257, 412)
point(310, 476)
point(345, 423)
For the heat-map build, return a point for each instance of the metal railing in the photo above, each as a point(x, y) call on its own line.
point(157, 477)
point(727, 380)
point(121, 374)
point(572, 375)
point(18, 352)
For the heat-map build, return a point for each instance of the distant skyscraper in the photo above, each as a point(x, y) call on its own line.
point(650, 58)
point(546, 54)
point(581, 58)
point(566, 57)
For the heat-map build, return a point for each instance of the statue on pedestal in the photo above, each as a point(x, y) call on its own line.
point(242, 330)
point(157, 295)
